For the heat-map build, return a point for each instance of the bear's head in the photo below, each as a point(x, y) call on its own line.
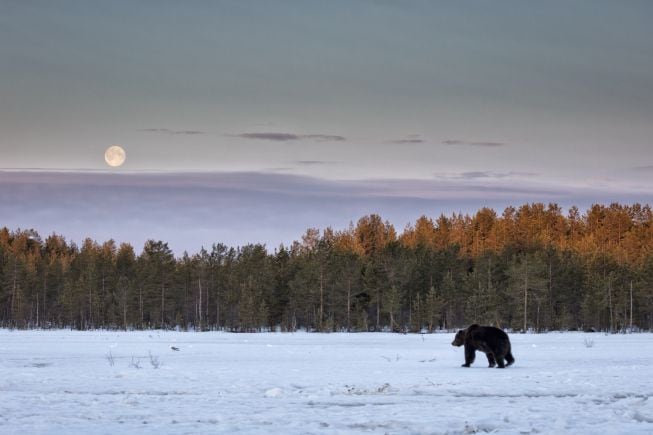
point(460, 338)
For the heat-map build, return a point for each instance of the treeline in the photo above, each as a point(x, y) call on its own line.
point(532, 267)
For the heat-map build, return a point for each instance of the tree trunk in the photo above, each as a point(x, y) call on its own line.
point(631, 306)
point(140, 303)
point(550, 294)
point(321, 311)
point(410, 308)
point(13, 290)
point(162, 305)
point(199, 284)
point(526, 296)
point(124, 306)
point(90, 307)
point(102, 316)
point(348, 304)
point(45, 289)
point(490, 297)
point(610, 305)
point(378, 308)
point(217, 309)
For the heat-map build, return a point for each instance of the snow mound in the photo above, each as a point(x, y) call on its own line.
point(273, 392)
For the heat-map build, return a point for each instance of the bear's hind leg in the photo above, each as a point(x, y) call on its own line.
point(500, 363)
point(510, 358)
point(490, 359)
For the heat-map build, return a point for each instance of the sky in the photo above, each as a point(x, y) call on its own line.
point(250, 121)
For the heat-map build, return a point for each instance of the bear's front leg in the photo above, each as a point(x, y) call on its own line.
point(470, 354)
point(490, 359)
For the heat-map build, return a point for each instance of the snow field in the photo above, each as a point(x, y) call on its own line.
point(64, 382)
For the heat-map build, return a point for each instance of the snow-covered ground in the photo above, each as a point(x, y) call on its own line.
point(63, 382)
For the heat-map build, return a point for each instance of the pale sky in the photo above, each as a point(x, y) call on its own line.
point(401, 108)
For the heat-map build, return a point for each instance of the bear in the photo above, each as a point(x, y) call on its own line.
point(488, 339)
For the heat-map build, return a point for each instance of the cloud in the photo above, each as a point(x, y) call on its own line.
point(407, 141)
point(279, 137)
point(474, 144)
point(314, 162)
point(288, 137)
point(647, 168)
point(173, 132)
point(476, 175)
point(324, 137)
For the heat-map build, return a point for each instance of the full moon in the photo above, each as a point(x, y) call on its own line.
point(115, 156)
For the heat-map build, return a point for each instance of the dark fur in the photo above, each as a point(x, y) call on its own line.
point(488, 339)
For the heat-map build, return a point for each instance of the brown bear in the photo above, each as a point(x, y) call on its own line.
point(493, 341)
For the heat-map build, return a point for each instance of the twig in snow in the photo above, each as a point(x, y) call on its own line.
point(109, 357)
point(135, 364)
point(154, 360)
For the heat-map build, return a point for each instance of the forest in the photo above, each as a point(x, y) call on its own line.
point(533, 267)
